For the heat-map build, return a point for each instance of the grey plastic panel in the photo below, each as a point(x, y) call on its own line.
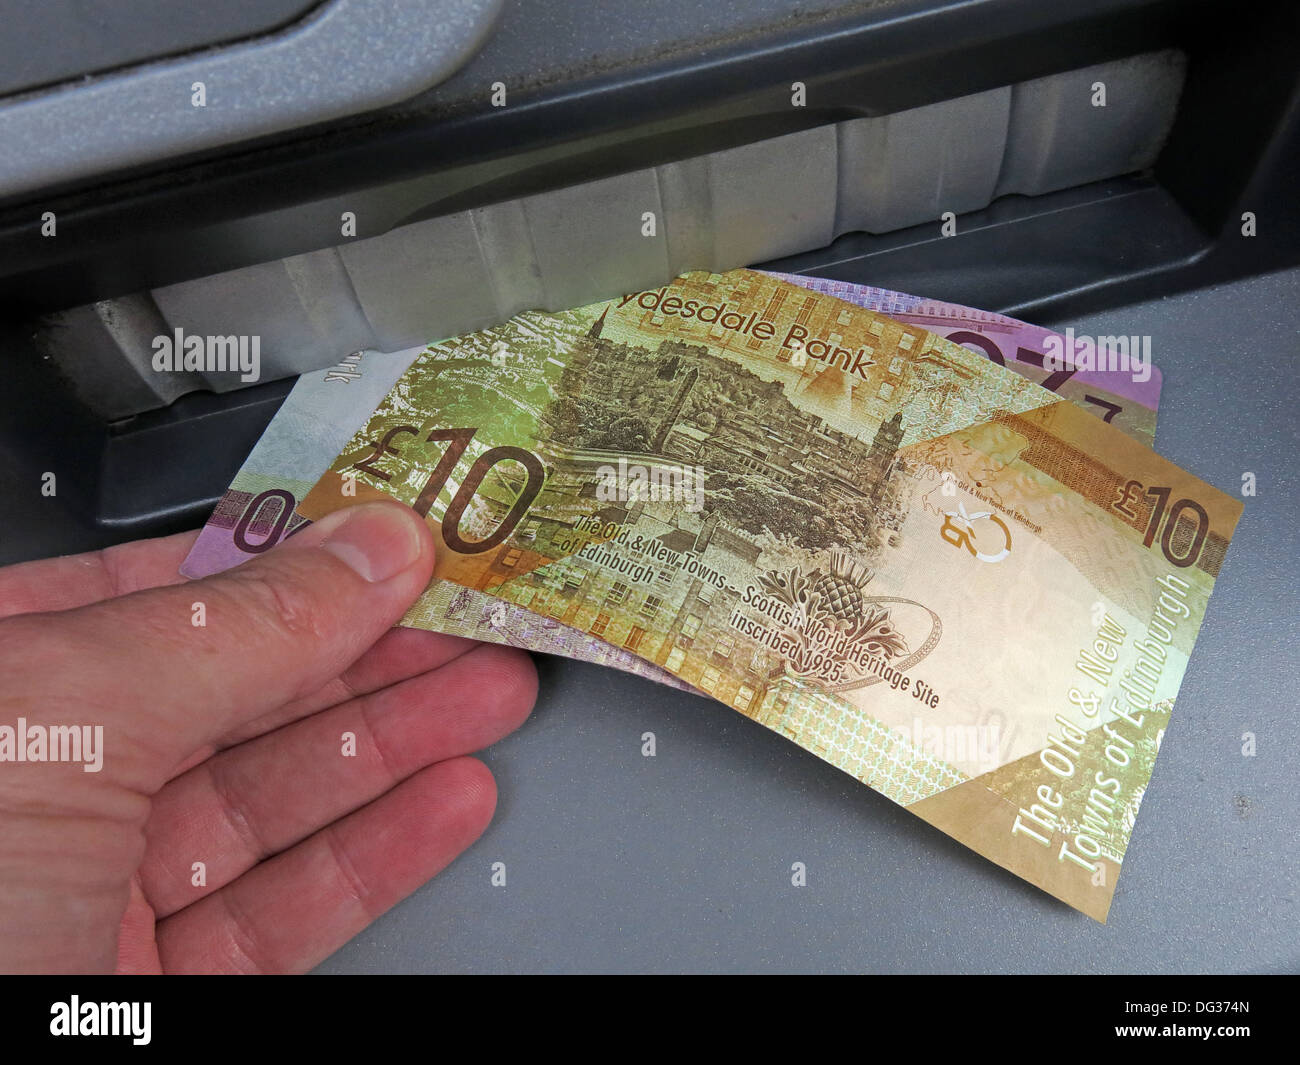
point(48, 41)
point(392, 283)
point(567, 247)
point(1058, 137)
point(297, 306)
point(586, 238)
point(775, 198)
point(917, 164)
point(348, 56)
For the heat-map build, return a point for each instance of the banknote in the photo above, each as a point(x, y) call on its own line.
point(1112, 377)
point(929, 571)
point(324, 407)
point(316, 419)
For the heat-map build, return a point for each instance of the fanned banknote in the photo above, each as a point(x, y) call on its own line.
point(929, 571)
point(324, 408)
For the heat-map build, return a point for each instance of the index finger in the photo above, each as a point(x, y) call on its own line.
point(79, 580)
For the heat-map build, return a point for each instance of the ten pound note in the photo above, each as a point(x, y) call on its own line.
point(323, 408)
point(927, 570)
point(934, 574)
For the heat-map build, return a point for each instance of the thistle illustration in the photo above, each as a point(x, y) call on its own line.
point(835, 599)
point(841, 589)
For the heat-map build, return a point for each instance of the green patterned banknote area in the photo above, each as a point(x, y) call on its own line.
point(931, 572)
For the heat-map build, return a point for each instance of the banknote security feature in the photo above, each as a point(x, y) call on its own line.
point(926, 535)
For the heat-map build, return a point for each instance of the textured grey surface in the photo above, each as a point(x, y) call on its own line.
point(541, 42)
point(682, 861)
point(571, 246)
point(47, 41)
point(347, 57)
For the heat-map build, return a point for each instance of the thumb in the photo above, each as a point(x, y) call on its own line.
point(171, 670)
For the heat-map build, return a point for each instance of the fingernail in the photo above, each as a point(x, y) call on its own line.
point(377, 540)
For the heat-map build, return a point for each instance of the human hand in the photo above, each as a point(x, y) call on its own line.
point(225, 744)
